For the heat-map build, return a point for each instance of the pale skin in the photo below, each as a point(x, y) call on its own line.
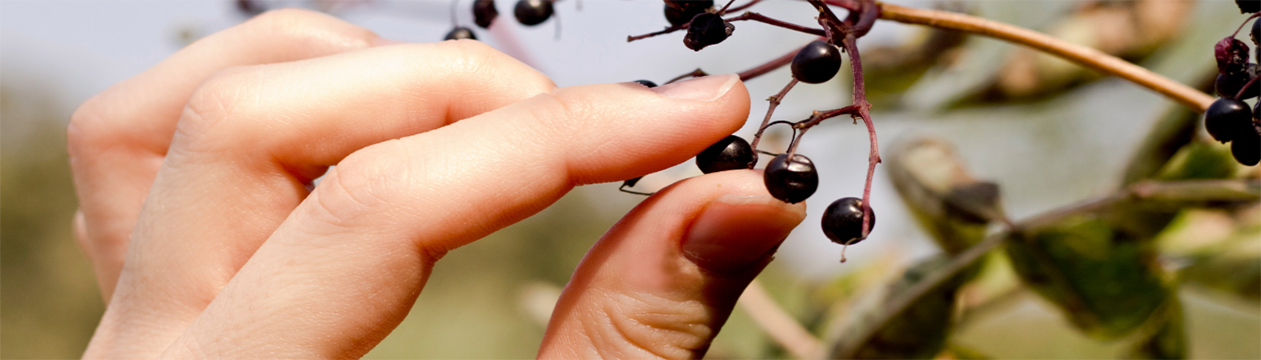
point(209, 239)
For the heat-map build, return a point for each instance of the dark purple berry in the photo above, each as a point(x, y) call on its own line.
point(707, 29)
point(791, 182)
point(1256, 34)
point(730, 153)
point(1247, 148)
point(1228, 85)
point(816, 63)
point(484, 13)
point(533, 12)
point(1231, 55)
point(1248, 6)
point(1227, 118)
point(647, 83)
point(460, 32)
point(677, 16)
point(843, 221)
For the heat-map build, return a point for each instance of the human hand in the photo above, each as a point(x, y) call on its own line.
point(208, 239)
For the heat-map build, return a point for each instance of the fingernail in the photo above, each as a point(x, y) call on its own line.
point(385, 42)
point(734, 232)
point(708, 88)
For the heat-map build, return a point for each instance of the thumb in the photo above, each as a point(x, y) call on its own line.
point(662, 282)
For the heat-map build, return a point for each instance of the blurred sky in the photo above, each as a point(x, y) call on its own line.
point(1045, 154)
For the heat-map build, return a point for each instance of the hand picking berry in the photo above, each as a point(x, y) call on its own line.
point(484, 13)
point(791, 182)
point(730, 153)
point(707, 29)
point(460, 32)
point(816, 63)
point(843, 221)
point(1227, 118)
point(533, 12)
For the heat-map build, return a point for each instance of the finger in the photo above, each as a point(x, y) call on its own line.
point(252, 138)
point(662, 282)
point(117, 139)
point(345, 267)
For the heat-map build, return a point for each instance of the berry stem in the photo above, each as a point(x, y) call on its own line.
point(1245, 23)
point(745, 6)
point(1084, 56)
point(771, 65)
point(749, 15)
point(774, 102)
point(860, 101)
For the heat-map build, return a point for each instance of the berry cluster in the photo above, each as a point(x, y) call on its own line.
point(790, 177)
point(1229, 119)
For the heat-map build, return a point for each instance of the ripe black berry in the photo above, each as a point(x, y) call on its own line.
point(1256, 34)
point(707, 29)
point(791, 182)
point(816, 63)
point(460, 32)
point(1247, 148)
point(533, 12)
point(1248, 6)
point(1227, 118)
point(843, 221)
point(647, 83)
point(1228, 85)
point(730, 153)
point(677, 18)
point(484, 12)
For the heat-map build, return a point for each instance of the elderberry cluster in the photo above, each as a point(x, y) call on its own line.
point(789, 176)
point(1229, 119)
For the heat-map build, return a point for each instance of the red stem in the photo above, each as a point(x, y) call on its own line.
point(1246, 86)
point(860, 100)
point(772, 65)
point(745, 6)
point(762, 18)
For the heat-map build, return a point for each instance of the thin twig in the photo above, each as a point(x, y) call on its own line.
point(745, 6)
point(749, 15)
point(771, 65)
point(777, 323)
point(1081, 55)
point(774, 102)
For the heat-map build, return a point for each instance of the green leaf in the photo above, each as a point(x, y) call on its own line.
point(919, 332)
point(1104, 279)
point(947, 201)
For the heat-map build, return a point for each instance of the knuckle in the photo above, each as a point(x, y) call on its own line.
point(364, 183)
point(647, 325)
point(218, 112)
